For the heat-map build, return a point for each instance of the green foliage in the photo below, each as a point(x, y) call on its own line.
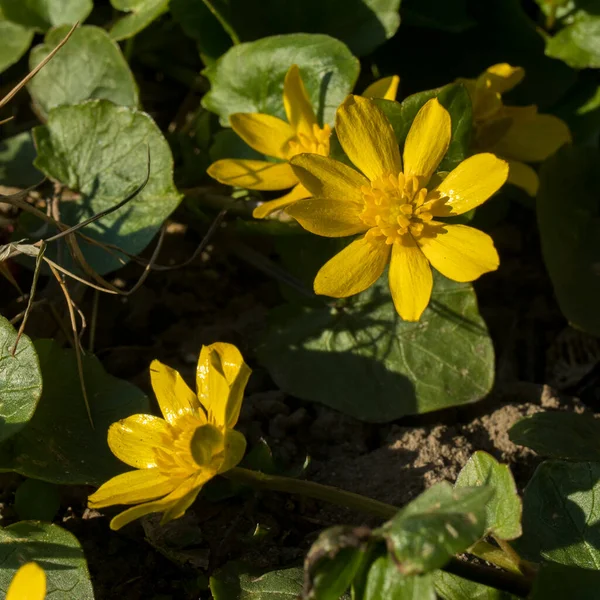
point(558, 581)
point(17, 154)
point(55, 550)
point(40, 15)
point(101, 151)
point(569, 231)
point(578, 44)
point(452, 587)
point(249, 77)
point(451, 15)
point(20, 381)
point(90, 66)
point(16, 40)
point(141, 14)
point(385, 580)
point(37, 500)
point(58, 444)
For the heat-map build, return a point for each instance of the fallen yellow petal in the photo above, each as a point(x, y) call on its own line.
point(29, 583)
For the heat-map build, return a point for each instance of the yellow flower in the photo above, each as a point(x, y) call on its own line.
point(393, 208)
point(385, 88)
point(29, 583)
point(274, 137)
point(518, 134)
point(177, 455)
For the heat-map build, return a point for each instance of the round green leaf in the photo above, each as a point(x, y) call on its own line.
point(364, 360)
point(16, 39)
point(101, 151)
point(58, 444)
point(141, 14)
point(569, 232)
point(577, 44)
point(20, 381)
point(89, 66)
point(452, 587)
point(503, 511)
point(43, 14)
point(385, 581)
point(249, 77)
point(55, 550)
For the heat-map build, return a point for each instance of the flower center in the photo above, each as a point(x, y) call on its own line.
point(317, 143)
point(397, 205)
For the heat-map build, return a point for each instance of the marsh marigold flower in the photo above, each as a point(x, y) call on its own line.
point(29, 583)
point(175, 456)
point(519, 134)
point(391, 205)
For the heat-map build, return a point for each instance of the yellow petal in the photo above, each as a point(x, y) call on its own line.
point(385, 88)
point(502, 77)
point(207, 446)
point(29, 583)
point(174, 396)
point(235, 447)
point(354, 269)
point(298, 192)
point(134, 439)
point(221, 377)
point(253, 174)
point(266, 134)
point(459, 252)
point(297, 104)
point(523, 176)
point(410, 279)
point(133, 487)
point(533, 139)
point(367, 137)
point(327, 217)
point(427, 141)
point(471, 183)
point(325, 177)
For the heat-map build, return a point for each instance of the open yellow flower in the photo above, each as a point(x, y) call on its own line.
point(274, 137)
point(177, 455)
point(393, 207)
point(518, 134)
point(29, 583)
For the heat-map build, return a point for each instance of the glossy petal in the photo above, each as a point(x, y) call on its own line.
point(329, 218)
point(410, 279)
point(472, 183)
point(523, 176)
point(325, 177)
point(174, 396)
point(385, 88)
point(367, 137)
point(533, 139)
point(253, 174)
point(427, 141)
point(235, 448)
point(133, 487)
point(221, 377)
point(298, 192)
point(134, 439)
point(460, 253)
point(297, 104)
point(29, 583)
point(265, 133)
point(502, 77)
point(354, 269)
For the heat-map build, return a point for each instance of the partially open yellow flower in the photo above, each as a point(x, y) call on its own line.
point(393, 207)
point(385, 88)
point(274, 137)
point(518, 134)
point(29, 583)
point(177, 455)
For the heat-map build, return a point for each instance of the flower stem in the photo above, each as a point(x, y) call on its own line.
point(224, 24)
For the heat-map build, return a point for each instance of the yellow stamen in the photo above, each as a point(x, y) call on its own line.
point(317, 143)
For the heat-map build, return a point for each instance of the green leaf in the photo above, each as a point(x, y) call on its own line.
point(558, 581)
point(249, 77)
point(20, 381)
point(141, 14)
point(569, 232)
point(16, 40)
point(37, 500)
point(90, 66)
point(43, 14)
point(236, 582)
point(559, 435)
point(561, 509)
point(503, 511)
point(101, 151)
point(362, 359)
point(452, 587)
point(434, 527)
point(385, 581)
point(58, 445)
point(55, 550)
point(450, 15)
point(17, 154)
point(578, 44)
